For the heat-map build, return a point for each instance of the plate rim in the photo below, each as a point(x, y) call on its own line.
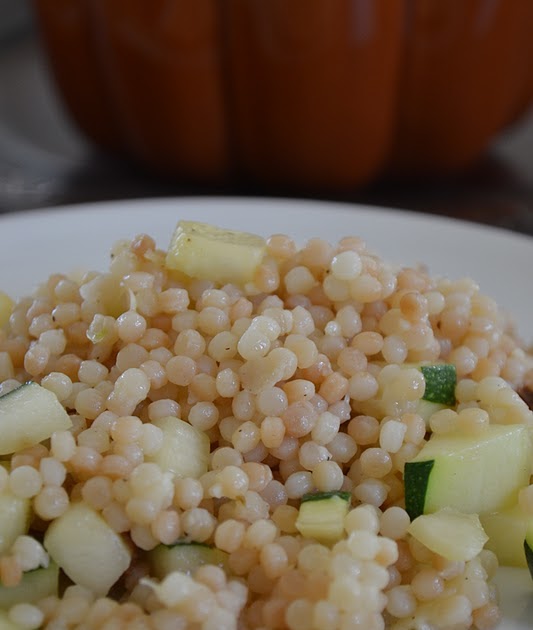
point(343, 206)
point(347, 208)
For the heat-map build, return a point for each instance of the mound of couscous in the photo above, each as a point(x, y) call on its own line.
point(218, 455)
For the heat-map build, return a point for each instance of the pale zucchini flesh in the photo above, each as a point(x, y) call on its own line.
point(34, 586)
point(29, 415)
point(472, 474)
point(206, 252)
point(15, 515)
point(507, 531)
point(451, 534)
point(87, 549)
point(425, 409)
point(185, 450)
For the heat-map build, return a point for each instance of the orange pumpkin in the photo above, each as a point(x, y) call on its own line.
point(314, 94)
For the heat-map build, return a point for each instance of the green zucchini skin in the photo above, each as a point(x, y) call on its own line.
point(324, 496)
point(441, 380)
point(416, 477)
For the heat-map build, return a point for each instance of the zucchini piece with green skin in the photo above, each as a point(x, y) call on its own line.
point(321, 515)
point(453, 535)
point(15, 516)
point(29, 415)
point(507, 531)
point(35, 585)
point(473, 474)
point(185, 557)
point(185, 450)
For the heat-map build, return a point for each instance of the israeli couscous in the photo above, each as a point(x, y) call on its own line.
point(241, 434)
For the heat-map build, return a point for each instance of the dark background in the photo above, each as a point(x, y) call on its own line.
point(44, 161)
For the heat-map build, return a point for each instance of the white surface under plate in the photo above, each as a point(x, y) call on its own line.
point(34, 245)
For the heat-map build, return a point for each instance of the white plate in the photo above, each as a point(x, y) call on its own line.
point(34, 245)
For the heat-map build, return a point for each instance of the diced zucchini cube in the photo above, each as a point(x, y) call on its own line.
point(29, 415)
point(15, 515)
point(206, 252)
point(321, 516)
point(87, 549)
point(451, 534)
point(507, 531)
point(34, 586)
point(185, 450)
point(473, 474)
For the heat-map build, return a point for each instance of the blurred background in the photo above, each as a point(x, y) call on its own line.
point(45, 160)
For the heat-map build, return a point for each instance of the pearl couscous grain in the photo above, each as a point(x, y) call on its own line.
point(300, 381)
